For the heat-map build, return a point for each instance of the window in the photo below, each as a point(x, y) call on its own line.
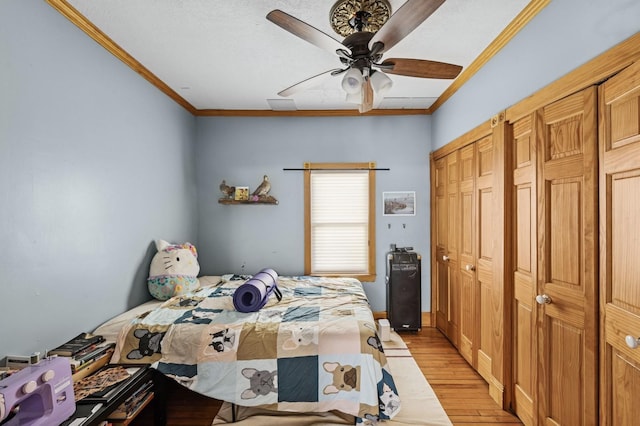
point(340, 219)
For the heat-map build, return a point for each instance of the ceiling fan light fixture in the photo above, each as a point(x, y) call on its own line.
point(381, 82)
point(352, 81)
point(364, 45)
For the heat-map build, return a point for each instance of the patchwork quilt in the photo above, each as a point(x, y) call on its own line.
point(316, 350)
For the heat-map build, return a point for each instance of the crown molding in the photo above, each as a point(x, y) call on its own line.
point(73, 15)
point(524, 17)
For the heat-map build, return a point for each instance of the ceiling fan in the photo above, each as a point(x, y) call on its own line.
point(370, 32)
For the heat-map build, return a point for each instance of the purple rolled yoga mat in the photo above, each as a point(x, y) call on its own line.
point(254, 293)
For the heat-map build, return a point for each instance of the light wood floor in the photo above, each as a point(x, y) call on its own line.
point(463, 394)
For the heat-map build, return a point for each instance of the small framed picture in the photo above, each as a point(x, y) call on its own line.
point(400, 203)
point(242, 193)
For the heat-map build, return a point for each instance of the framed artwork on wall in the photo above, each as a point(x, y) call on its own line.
point(399, 203)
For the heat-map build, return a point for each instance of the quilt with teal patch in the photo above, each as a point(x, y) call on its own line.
point(316, 350)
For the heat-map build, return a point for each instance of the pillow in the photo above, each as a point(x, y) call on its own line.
point(174, 270)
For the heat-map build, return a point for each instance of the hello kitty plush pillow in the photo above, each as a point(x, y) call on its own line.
point(174, 270)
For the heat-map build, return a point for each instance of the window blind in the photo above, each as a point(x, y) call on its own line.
point(339, 222)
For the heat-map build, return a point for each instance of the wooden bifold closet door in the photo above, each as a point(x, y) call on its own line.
point(555, 309)
point(567, 316)
point(476, 254)
point(524, 268)
point(620, 248)
point(467, 255)
point(445, 189)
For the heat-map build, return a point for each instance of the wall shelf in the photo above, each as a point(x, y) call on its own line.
point(262, 200)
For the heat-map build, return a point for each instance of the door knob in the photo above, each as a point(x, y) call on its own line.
point(632, 342)
point(470, 268)
point(543, 299)
point(445, 258)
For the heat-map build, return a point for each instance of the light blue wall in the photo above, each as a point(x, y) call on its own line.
point(563, 36)
point(95, 163)
point(242, 150)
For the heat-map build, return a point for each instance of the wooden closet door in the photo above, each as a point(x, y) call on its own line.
point(620, 247)
point(453, 238)
point(467, 253)
point(445, 187)
point(524, 273)
point(483, 263)
point(440, 224)
point(567, 261)
point(476, 254)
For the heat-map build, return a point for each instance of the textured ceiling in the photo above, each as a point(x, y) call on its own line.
point(225, 55)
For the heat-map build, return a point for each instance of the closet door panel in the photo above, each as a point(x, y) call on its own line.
point(453, 242)
point(440, 230)
point(484, 260)
point(620, 247)
point(467, 255)
point(565, 374)
point(446, 229)
point(567, 238)
point(484, 322)
point(524, 278)
point(626, 375)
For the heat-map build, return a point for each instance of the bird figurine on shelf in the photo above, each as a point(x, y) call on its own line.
point(264, 188)
point(227, 190)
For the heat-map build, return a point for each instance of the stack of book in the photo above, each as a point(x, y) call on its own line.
point(86, 352)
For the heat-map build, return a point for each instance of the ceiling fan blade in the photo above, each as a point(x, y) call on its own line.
point(305, 31)
point(420, 68)
point(309, 82)
point(367, 96)
point(403, 21)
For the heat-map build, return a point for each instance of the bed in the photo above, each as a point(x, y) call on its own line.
point(315, 350)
